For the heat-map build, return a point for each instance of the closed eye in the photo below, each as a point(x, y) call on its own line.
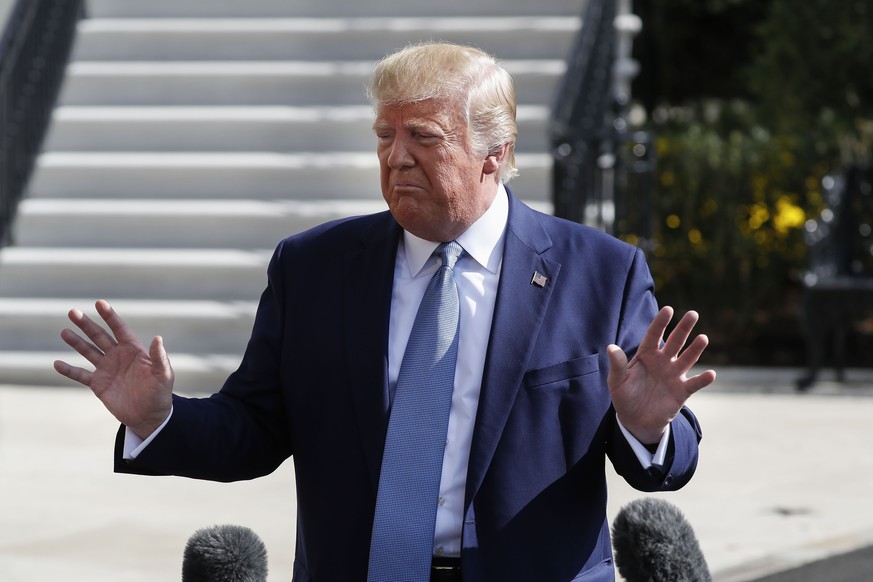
point(427, 138)
point(384, 137)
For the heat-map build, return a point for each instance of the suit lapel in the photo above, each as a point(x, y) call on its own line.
point(518, 314)
point(369, 276)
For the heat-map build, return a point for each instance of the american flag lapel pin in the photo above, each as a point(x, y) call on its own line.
point(539, 279)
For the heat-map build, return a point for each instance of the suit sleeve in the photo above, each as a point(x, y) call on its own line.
point(638, 309)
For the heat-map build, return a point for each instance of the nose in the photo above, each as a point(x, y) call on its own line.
point(399, 155)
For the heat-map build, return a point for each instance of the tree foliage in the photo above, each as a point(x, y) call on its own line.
point(753, 103)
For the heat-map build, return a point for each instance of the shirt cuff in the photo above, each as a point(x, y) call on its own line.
point(646, 458)
point(133, 445)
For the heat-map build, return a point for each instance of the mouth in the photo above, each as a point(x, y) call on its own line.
point(406, 187)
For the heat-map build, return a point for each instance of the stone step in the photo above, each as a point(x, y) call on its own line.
point(327, 8)
point(258, 82)
point(275, 129)
point(191, 224)
point(197, 326)
point(217, 274)
point(259, 39)
point(194, 135)
point(247, 175)
point(198, 374)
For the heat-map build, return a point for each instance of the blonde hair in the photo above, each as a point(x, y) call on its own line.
point(451, 71)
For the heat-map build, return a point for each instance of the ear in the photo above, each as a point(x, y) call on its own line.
point(494, 159)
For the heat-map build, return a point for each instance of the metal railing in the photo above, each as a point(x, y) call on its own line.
point(34, 51)
point(602, 172)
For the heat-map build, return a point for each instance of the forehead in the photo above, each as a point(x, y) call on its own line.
point(442, 113)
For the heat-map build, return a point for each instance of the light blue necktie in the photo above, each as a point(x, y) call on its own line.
point(406, 503)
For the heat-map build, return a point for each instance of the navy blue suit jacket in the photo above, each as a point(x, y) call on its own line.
point(313, 384)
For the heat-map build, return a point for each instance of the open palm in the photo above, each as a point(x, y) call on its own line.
point(133, 383)
point(649, 391)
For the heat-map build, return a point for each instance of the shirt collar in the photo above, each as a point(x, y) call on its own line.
point(483, 240)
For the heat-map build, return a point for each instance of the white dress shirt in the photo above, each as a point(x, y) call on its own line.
point(476, 273)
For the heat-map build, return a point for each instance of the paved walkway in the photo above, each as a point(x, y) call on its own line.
point(784, 479)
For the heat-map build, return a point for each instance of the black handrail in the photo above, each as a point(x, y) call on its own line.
point(580, 126)
point(34, 51)
point(602, 171)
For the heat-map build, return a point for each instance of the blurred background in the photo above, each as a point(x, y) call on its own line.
point(759, 110)
point(739, 159)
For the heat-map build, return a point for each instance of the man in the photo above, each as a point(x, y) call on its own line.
point(545, 306)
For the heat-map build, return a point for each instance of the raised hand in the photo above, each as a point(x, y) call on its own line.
point(135, 385)
point(649, 391)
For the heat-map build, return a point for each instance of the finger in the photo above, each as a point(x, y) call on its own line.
point(617, 365)
point(119, 327)
point(655, 332)
point(700, 381)
point(95, 332)
point(679, 335)
point(692, 353)
point(75, 373)
point(159, 358)
point(86, 349)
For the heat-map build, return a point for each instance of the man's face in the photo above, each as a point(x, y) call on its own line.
point(434, 183)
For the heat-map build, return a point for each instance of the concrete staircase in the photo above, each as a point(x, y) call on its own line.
point(192, 135)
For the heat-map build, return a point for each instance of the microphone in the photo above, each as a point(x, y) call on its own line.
point(655, 543)
point(224, 553)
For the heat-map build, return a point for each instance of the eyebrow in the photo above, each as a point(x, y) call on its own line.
point(414, 124)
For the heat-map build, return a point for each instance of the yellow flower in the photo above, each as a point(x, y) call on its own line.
point(788, 216)
point(758, 215)
point(630, 239)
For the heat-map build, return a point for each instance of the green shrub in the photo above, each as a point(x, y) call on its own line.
point(731, 200)
point(742, 147)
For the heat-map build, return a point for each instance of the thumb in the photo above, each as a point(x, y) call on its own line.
point(617, 366)
point(159, 358)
